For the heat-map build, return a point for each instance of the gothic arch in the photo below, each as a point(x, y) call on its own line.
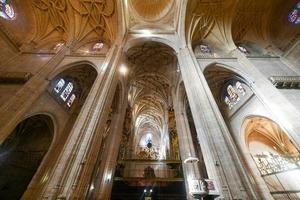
point(132, 42)
point(82, 76)
point(236, 109)
point(23, 152)
point(45, 113)
point(269, 153)
point(230, 69)
point(63, 68)
point(261, 117)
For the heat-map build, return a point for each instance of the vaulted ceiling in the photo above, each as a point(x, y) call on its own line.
point(150, 87)
point(41, 24)
point(226, 22)
point(263, 130)
point(157, 15)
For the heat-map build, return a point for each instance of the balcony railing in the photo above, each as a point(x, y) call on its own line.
point(148, 169)
point(269, 164)
point(281, 174)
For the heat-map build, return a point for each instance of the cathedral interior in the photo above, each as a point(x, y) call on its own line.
point(150, 99)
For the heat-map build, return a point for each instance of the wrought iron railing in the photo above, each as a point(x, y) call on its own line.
point(269, 164)
point(281, 174)
point(149, 169)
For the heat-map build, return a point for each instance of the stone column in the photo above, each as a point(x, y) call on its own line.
point(16, 106)
point(66, 180)
point(111, 153)
point(186, 146)
point(217, 147)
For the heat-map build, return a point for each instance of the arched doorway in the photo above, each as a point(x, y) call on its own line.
point(237, 100)
point(275, 156)
point(22, 153)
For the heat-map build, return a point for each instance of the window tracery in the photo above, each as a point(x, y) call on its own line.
point(67, 91)
point(71, 100)
point(58, 46)
point(234, 92)
point(205, 49)
point(59, 85)
point(243, 49)
point(6, 10)
point(63, 90)
point(98, 46)
point(294, 15)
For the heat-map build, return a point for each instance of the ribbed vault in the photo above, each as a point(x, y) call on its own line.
point(150, 90)
point(266, 131)
point(152, 9)
point(224, 23)
point(45, 23)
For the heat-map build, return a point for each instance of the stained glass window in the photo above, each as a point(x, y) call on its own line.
point(294, 15)
point(58, 46)
point(205, 49)
point(63, 90)
point(71, 100)
point(234, 97)
point(98, 46)
point(59, 85)
point(6, 10)
point(67, 91)
point(228, 102)
point(234, 92)
point(240, 88)
point(243, 49)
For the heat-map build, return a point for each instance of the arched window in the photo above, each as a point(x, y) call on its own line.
point(6, 10)
point(294, 15)
point(64, 91)
point(59, 85)
point(243, 49)
point(67, 91)
point(58, 46)
point(98, 46)
point(205, 49)
point(233, 94)
point(71, 100)
point(241, 90)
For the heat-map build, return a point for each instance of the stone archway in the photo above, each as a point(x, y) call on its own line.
point(275, 156)
point(22, 153)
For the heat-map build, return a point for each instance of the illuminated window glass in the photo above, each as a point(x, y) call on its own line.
point(59, 85)
point(6, 10)
point(294, 15)
point(58, 46)
point(243, 49)
point(233, 95)
point(67, 91)
point(240, 88)
point(98, 46)
point(71, 100)
point(228, 102)
point(234, 92)
point(205, 49)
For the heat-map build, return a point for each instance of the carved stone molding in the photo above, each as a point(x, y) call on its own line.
point(286, 82)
